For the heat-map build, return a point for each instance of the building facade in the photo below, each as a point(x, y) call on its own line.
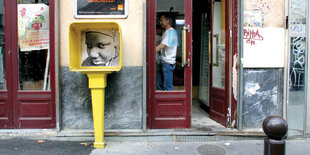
point(237, 62)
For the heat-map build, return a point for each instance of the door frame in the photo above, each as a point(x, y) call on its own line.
point(168, 96)
point(6, 95)
point(229, 94)
point(234, 65)
point(15, 96)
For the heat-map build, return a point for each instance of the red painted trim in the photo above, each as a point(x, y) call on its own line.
point(234, 52)
point(15, 65)
point(227, 49)
point(8, 66)
point(52, 26)
point(151, 15)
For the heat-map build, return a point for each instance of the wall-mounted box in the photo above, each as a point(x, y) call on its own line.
point(95, 47)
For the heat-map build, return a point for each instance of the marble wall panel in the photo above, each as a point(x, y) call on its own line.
point(123, 102)
point(262, 95)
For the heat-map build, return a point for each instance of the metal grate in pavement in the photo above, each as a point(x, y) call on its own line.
point(194, 138)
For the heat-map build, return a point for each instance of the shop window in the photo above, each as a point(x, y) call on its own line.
point(33, 40)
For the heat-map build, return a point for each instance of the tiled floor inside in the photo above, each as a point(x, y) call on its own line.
point(201, 120)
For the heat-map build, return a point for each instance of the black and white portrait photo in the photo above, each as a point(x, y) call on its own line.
point(100, 48)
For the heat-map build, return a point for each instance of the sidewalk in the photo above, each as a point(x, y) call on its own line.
point(248, 147)
point(31, 146)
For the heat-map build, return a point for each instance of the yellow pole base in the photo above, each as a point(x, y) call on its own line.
point(99, 145)
point(97, 84)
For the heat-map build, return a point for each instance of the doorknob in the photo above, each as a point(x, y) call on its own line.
point(184, 61)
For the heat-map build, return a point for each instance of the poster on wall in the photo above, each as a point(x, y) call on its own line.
point(100, 48)
point(33, 26)
point(253, 19)
point(263, 47)
point(100, 8)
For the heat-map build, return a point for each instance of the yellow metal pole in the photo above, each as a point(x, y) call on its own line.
point(97, 84)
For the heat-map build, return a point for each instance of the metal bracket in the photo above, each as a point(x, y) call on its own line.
point(286, 22)
point(186, 63)
point(187, 28)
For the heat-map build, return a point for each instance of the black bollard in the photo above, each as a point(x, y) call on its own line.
point(275, 128)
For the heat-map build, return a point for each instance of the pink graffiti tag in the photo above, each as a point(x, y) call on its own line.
point(251, 36)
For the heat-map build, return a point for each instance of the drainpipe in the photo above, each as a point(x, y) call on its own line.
point(144, 105)
point(240, 71)
point(57, 93)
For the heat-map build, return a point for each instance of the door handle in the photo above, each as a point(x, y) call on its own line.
point(184, 61)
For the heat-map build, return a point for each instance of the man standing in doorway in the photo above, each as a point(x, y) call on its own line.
point(168, 51)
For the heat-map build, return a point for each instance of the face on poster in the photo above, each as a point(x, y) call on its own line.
point(100, 48)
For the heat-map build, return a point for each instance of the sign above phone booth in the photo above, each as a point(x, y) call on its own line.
point(95, 49)
point(100, 8)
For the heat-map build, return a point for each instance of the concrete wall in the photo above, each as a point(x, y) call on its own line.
point(123, 108)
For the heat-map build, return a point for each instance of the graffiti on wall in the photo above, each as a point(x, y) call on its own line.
point(251, 36)
point(298, 45)
point(297, 62)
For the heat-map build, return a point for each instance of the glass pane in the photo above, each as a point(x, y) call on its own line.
point(297, 73)
point(218, 50)
point(33, 41)
point(2, 49)
point(169, 24)
point(204, 80)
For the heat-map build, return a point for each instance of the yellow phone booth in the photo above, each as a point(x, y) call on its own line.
point(95, 49)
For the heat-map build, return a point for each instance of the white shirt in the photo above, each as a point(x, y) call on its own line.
point(170, 39)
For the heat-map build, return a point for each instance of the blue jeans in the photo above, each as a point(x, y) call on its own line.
point(165, 76)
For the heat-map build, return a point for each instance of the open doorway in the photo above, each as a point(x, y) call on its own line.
point(200, 76)
point(206, 22)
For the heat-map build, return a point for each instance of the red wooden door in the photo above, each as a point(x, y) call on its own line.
point(170, 109)
point(220, 45)
point(29, 98)
point(6, 112)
